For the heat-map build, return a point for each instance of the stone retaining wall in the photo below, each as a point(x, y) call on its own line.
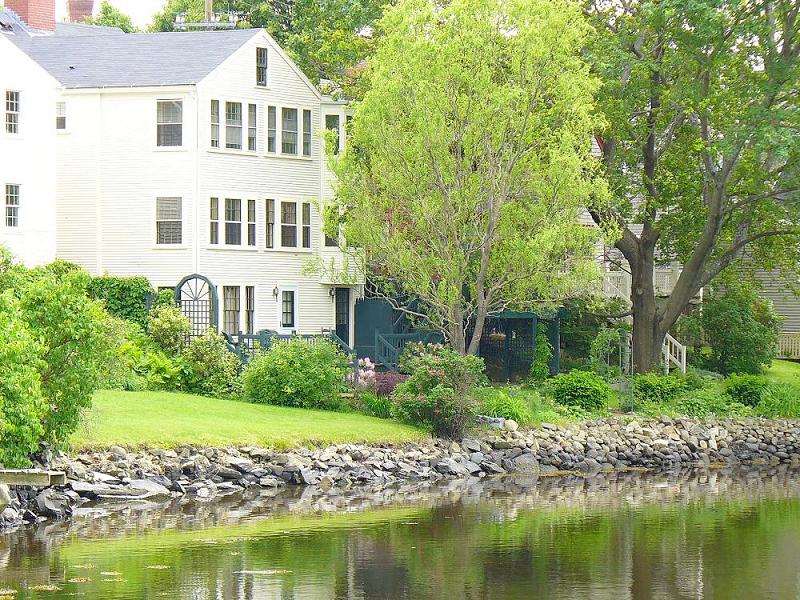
point(118, 475)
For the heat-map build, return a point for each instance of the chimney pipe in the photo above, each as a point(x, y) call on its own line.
point(37, 14)
point(79, 10)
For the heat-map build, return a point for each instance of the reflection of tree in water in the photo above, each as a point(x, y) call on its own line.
point(677, 536)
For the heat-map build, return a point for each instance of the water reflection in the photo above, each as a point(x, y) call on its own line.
point(688, 535)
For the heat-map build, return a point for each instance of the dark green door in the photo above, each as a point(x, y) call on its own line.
point(343, 314)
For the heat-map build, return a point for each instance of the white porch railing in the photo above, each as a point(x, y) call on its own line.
point(673, 354)
point(789, 345)
point(617, 284)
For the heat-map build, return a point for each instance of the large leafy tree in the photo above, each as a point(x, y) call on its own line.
point(702, 144)
point(111, 16)
point(327, 38)
point(469, 160)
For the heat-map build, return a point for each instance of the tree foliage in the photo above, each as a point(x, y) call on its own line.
point(53, 351)
point(702, 147)
point(111, 16)
point(469, 160)
point(326, 38)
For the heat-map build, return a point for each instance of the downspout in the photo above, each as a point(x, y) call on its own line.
point(98, 214)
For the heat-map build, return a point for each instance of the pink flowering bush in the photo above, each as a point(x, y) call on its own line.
point(439, 392)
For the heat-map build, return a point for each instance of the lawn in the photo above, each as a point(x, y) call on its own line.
point(167, 419)
point(784, 371)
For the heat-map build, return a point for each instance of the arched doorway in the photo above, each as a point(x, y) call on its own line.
point(197, 298)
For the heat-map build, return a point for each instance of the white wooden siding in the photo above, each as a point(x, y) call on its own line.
point(28, 159)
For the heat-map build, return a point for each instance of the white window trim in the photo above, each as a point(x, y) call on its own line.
point(184, 147)
point(5, 226)
point(66, 118)
point(223, 127)
point(279, 302)
point(279, 133)
point(18, 133)
point(266, 85)
point(255, 306)
point(221, 246)
point(154, 217)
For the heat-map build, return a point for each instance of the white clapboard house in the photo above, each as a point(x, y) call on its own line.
point(171, 154)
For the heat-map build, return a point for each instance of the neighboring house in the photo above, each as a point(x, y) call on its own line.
point(780, 292)
point(28, 100)
point(184, 153)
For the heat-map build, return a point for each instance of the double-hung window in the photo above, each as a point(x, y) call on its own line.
point(213, 212)
point(61, 116)
point(233, 125)
point(169, 120)
point(169, 222)
point(249, 309)
point(288, 224)
point(230, 309)
point(306, 225)
point(12, 111)
point(252, 124)
point(12, 205)
point(289, 131)
point(215, 123)
point(233, 222)
point(306, 133)
point(270, 230)
point(262, 56)
point(272, 128)
point(251, 222)
point(288, 319)
point(332, 124)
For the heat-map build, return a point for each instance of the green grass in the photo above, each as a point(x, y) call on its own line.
point(784, 371)
point(167, 419)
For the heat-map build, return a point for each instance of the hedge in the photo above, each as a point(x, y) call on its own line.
point(125, 297)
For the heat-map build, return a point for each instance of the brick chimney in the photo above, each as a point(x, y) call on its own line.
point(79, 10)
point(37, 14)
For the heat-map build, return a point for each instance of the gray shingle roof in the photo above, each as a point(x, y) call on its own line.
point(134, 59)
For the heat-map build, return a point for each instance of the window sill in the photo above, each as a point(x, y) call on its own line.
point(170, 247)
point(233, 151)
point(170, 149)
point(291, 250)
point(231, 248)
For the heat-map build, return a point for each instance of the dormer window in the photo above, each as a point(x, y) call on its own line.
point(261, 67)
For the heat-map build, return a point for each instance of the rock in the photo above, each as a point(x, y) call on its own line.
point(150, 488)
point(510, 425)
point(227, 472)
point(526, 464)
point(118, 452)
point(5, 496)
point(53, 503)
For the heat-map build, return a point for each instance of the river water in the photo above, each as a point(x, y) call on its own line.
point(721, 535)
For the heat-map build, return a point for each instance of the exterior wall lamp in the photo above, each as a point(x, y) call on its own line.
point(275, 293)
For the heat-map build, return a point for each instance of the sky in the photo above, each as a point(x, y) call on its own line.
point(141, 11)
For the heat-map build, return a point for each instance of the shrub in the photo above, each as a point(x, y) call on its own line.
point(386, 382)
point(780, 400)
point(605, 349)
point(124, 297)
point(441, 409)
point(707, 402)
point(21, 401)
point(297, 373)
point(127, 343)
point(76, 349)
point(745, 389)
point(164, 298)
point(542, 355)
point(652, 387)
point(169, 328)
point(366, 374)
point(372, 404)
point(499, 403)
point(439, 392)
point(741, 328)
point(209, 368)
point(583, 389)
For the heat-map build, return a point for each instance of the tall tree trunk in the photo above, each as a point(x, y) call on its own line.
point(648, 336)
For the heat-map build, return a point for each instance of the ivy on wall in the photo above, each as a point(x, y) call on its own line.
point(125, 297)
